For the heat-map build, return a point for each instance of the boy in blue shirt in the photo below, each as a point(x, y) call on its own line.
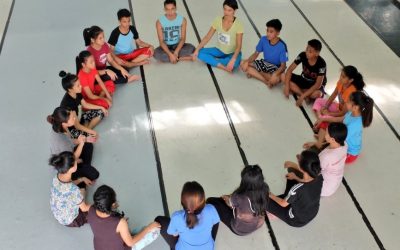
point(171, 32)
point(128, 49)
point(270, 69)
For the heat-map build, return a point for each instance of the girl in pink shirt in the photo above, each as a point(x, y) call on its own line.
point(333, 158)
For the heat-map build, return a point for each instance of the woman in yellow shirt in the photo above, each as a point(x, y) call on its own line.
point(227, 54)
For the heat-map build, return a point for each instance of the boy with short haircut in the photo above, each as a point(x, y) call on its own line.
point(171, 31)
point(269, 70)
point(128, 48)
point(313, 77)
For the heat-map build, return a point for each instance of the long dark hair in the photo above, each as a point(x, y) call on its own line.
point(309, 162)
point(254, 187)
point(103, 200)
point(352, 73)
point(68, 80)
point(91, 33)
point(62, 162)
point(81, 58)
point(366, 105)
point(60, 115)
point(193, 200)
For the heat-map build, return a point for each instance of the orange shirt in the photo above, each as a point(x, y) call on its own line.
point(344, 93)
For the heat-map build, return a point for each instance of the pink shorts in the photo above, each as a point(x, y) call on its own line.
point(320, 103)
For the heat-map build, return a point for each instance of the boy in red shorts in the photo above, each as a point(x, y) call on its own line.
point(128, 48)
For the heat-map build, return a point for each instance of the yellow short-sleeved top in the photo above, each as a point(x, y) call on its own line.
point(226, 40)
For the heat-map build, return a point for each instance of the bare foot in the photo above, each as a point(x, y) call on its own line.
point(133, 78)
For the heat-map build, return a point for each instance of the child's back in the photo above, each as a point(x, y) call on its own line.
point(198, 237)
point(332, 168)
point(104, 231)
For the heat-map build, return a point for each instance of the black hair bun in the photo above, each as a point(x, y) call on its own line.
point(62, 74)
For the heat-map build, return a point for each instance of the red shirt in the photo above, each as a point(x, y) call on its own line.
point(100, 56)
point(87, 80)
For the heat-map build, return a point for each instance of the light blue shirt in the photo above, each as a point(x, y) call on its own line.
point(199, 237)
point(354, 133)
point(275, 54)
point(171, 29)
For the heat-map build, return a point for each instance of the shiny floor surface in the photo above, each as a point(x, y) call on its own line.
point(184, 122)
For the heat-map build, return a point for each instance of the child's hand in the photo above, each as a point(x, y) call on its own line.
point(108, 102)
point(92, 133)
point(291, 176)
point(105, 111)
point(244, 65)
point(324, 111)
point(151, 48)
point(286, 91)
point(289, 164)
point(274, 78)
point(230, 65)
point(87, 181)
point(152, 226)
point(318, 122)
point(195, 54)
point(299, 102)
point(125, 73)
point(111, 74)
point(173, 59)
point(81, 139)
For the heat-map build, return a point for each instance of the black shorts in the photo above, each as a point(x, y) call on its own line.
point(304, 83)
point(301, 82)
point(264, 66)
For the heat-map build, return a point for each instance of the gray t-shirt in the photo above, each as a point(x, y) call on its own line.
point(60, 142)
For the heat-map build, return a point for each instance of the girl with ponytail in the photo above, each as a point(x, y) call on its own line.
point(110, 228)
point(350, 81)
point(359, 116)
point(92, 114)
point(96, 45)
point(67, 202)
point(299, 204)
point(95, 91)
point(243, 211)
point(191, 228)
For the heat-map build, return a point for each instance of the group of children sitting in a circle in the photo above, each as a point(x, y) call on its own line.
point(318, 172)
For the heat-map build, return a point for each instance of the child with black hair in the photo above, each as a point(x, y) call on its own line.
point(60, 140)
point(359, 116)
point(190, 228)
point(299, 204)
point(95, 91)
point(91, 115)
point(244, 210)
point(96, 45)
point(271, 69)
point(128, 48)
point(227, 54)
point(171, 32)
point(110, 227)
point(350, 81)
point(310, 84)
point(333, 158)
point(67, 202)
